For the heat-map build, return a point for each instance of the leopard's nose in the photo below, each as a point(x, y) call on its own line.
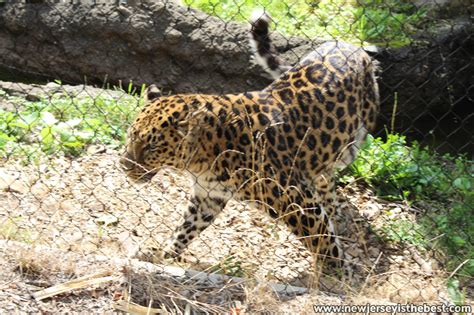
point(127, 161)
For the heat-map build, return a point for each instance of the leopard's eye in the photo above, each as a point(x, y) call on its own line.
point(153, 143)
point(150, 147)
point(153, 147)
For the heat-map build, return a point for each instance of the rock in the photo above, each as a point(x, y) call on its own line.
point(106, 220)
point(69, 206)
point(96, 149)
point(353, 252)
point(445, 8)
point(173, 36)
point(40, 190)
point(374, 252)
point(371, 210)
point(12, 182)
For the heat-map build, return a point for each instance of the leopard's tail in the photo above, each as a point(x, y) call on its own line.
point(264, 52)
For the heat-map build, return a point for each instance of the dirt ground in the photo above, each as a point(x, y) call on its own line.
point(86, 207)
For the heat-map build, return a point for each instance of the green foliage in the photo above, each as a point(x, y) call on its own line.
point(63, 125)
point(455, 294)
point(386, 22)
point(399, 171)
point(456, 224)
point(404, 231)
point(229, 266)
point(383, 22)
point(414, 174)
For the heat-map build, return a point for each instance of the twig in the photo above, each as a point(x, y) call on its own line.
point(370, 273)
point(135, 264)
point(78, 283)
point(133, 308)
point(457, 268)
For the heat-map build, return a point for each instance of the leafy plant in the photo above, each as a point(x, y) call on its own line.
point(413, 173)
point(387, 22)
point(404, 231)
point(455, 294)
point(63, 125)
point(382, 22)
point(10, 229)
point(399, 171)
point(229, 266)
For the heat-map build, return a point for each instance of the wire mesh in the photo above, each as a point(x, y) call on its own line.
point(73, 77)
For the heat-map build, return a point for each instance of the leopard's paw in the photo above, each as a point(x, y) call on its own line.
point(150, 252)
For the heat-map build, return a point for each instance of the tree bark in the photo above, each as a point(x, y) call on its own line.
point(178, 49)
point(184, 50)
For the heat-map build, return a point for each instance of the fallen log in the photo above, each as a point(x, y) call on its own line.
point(184, 50)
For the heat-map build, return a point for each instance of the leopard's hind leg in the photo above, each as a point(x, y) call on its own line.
point(301, 210)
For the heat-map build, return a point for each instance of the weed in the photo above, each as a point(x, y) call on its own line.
point(10, 229)
point(457, 296)
point(399, 171)
point(229, 266)
point(403, 231)
point(42, 266)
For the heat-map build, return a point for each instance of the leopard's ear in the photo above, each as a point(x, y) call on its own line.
point(151, 93)
point(182, 128)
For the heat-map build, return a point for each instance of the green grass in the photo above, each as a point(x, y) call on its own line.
point(417, 175)
point(382, 22)
point(10, 229)
point(63, 125)
point(457, 296)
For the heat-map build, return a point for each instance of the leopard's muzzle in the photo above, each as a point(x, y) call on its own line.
point(134, 168)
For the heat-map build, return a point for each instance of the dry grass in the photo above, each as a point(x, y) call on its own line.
point(41, 266)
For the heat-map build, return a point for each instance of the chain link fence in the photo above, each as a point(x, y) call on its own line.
point(73, 75)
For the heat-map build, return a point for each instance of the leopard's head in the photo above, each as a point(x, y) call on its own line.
point(155, 138)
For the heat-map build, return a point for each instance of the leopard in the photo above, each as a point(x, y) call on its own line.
point(276, 149)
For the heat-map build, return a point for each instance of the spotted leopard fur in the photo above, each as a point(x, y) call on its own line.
point(276, 148)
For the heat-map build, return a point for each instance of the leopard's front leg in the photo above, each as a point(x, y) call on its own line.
point(202, 210)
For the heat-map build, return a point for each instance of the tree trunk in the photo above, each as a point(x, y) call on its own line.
point(184, 50)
